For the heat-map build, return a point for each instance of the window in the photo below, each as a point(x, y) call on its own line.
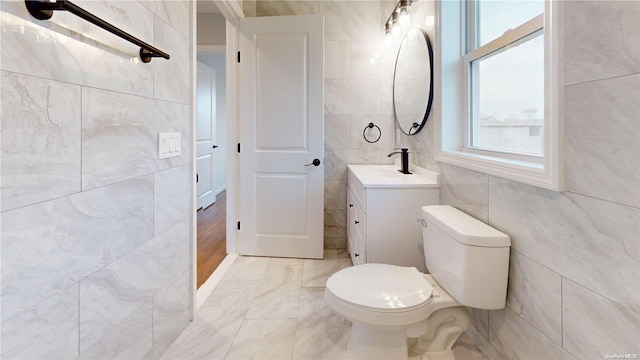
point(504, 69)
point(500, 88)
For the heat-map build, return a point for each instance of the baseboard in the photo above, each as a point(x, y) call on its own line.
point(207, 288)
point(221, 189)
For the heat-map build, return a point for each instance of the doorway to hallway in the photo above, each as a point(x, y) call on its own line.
point(211, 218)
point(212, 247)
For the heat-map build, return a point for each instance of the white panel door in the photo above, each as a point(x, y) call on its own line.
point(281, 132)
point(205, 134)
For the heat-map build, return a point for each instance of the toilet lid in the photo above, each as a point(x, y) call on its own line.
point(381, 286)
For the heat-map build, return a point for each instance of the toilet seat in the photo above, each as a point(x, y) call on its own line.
point(381, 287)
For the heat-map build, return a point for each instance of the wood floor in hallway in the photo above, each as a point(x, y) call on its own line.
point(212, 237)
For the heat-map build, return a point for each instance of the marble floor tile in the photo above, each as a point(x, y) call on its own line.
point(464, 349)
point(263, 339)
point(312, 304)
point(315, 273)
point(285, 262)
point(203, 340)
point(245, 272)
point(216, 323)
point(245, 318)
point(226, 305)
point(279, 294)
point(321, 338)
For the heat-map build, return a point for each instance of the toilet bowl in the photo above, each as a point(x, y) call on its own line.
point(384, 311)
point(468, 263)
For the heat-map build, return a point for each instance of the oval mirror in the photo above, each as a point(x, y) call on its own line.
point(413, 82)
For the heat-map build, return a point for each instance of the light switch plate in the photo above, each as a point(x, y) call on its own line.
point(168, 145)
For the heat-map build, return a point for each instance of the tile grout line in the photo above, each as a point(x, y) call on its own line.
point(295, 330)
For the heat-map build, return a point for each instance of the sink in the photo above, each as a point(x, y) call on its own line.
point(386, 172)
point(389, 176)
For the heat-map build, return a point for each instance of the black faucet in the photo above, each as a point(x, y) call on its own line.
point(404, 160)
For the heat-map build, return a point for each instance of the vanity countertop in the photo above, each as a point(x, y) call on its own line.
point(388, 176)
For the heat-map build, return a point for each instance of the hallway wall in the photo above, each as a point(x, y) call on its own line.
point(95, 229)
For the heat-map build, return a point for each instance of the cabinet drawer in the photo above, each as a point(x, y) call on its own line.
point(359, 221)
point(356, 229)
point(351, 230)
point(357, 189)
point(358, 252)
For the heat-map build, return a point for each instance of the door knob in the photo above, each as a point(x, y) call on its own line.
point(215, 146)
point(315, 162)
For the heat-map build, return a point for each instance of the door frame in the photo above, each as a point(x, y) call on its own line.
point(231, 10)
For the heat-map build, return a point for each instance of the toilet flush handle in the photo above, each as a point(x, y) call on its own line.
point(422, 222)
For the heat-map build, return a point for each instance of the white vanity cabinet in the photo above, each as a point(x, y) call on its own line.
point(383, 206)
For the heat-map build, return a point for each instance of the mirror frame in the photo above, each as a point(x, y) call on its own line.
point(430, 101)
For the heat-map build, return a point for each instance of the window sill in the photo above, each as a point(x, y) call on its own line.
point(520, 171)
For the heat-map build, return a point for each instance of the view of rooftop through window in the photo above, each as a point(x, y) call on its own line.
point(508, 89)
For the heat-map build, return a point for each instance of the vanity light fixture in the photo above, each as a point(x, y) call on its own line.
point(404, 9)
point(398, 17)
point(388, 36)
point(395, 25)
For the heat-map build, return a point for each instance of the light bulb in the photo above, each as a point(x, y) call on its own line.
point(429, 20)
point(395, 29)
point(403, 18)
point(404, 9)
point(388, 38)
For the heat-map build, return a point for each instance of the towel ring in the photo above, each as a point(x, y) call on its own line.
point(371, 126)
point(414, 126)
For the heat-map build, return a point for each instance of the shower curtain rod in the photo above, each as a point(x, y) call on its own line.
point(43, 10)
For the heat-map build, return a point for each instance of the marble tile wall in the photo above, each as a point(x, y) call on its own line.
point(95, 230)
point(574, 283)
point(42, 140)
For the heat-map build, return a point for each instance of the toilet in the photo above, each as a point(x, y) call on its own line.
point(468, 264)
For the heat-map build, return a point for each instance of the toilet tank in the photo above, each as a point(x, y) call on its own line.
point(467, 257)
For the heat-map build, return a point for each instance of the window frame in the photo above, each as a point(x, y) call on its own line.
point(452, 111)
